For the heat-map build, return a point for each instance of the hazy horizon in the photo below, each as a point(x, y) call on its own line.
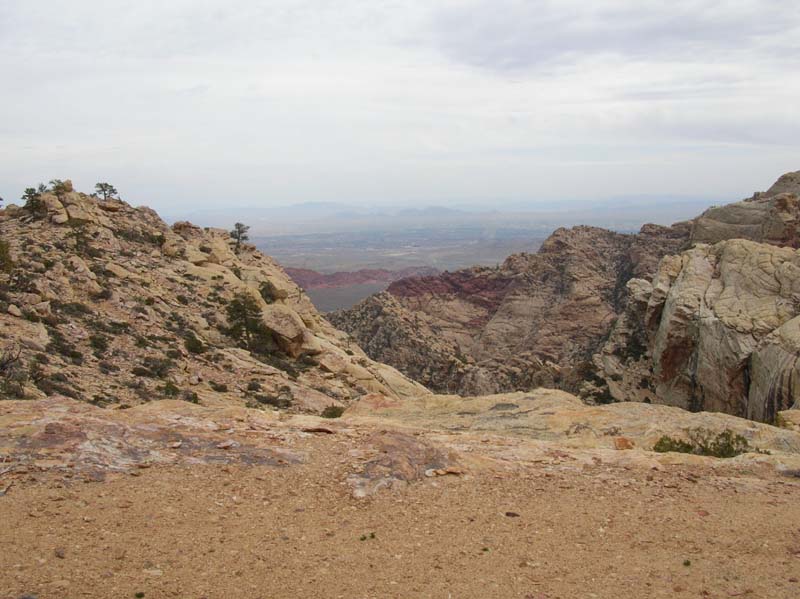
point(187, 105)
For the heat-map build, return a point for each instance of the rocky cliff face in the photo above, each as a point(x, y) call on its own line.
point(533, 321)
point(712, 328)
point(104, 302)
point(718, 328)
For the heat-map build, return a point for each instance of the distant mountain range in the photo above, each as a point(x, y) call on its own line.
point(311, 279)
point(620, 214)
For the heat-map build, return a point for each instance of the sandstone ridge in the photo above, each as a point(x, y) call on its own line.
point(105, 303)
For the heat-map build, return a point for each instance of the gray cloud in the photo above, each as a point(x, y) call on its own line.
point(519, 34)
point(190, 102)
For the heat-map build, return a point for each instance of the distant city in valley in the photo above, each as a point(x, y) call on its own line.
point(341, 238)
point(330, 238)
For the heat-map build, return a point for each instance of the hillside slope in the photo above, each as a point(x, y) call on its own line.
point(104, 302)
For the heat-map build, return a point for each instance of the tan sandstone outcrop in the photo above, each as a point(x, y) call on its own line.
point(104, 300)
point(766, 219)
point(390, 442)
point(718, 328)
point(557, 417)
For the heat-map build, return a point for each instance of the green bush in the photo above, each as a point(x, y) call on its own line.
point(6, 264)
point(725, 444)
point(106, 190)
point(12, 374)
point(666, 444)
point(83, 244)
point(59, 188)
point(239, 234)
point(41, 359)
point(101, 401)
point(246, 326)
point(71, 308)
point(170, 389)
point(268, 292)
point(107, 367)
point(279, 401)
point(193, 344)
point(104, 294)
point(113, 327)
point(99, 343)
point(332, 412)
point(59, 345)
point(154, 368)
point(31, 316)
point(141, 236)
point(57, 383)
point(281, 363)
point(33, 201)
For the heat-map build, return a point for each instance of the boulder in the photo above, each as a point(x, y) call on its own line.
point(118, 271)
point(55, 209)
point(287, 326)
point(195, 256)
point(152, 308)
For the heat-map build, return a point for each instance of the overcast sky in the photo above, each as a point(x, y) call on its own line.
point(187, 103)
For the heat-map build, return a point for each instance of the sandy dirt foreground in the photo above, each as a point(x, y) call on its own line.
point(521, 496)
point(267, 531)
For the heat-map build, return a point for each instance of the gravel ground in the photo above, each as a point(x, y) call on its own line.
point(218, 531)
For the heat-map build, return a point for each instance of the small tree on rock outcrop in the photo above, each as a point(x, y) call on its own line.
point(106, 190)
point(33, 200)
point(239, 234)
point(246, 326)
point(60, 188)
